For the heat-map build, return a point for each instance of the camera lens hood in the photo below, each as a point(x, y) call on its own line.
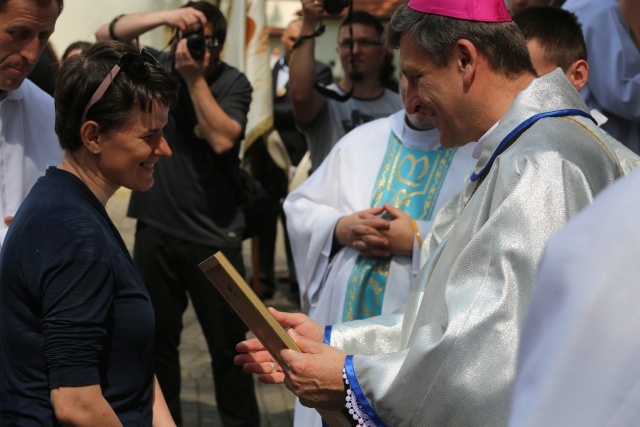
point(196, 43)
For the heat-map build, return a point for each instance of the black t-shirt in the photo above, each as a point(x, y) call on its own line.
point(73, 308)
point(194, 196)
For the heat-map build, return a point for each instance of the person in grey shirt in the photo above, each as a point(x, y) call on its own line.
point(362, 56)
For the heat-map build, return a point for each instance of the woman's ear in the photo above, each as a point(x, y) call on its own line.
point(90, 135)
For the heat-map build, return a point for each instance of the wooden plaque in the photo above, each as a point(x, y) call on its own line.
point(255, 315)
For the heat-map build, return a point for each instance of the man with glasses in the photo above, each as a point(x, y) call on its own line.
point(192, 210)
point(361, 97)
point(28, 144)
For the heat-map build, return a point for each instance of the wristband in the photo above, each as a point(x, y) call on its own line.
point(112, 25)
point(417, 231)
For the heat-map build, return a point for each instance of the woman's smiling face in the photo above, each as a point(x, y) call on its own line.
point(128, 155)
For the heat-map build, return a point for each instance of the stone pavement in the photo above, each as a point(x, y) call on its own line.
point(198, 396)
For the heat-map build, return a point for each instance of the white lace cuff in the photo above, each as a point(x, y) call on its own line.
point(353, 405)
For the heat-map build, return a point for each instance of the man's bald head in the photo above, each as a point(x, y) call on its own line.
point(290, 34)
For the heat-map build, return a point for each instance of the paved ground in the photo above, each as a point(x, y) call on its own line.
point(198, 397)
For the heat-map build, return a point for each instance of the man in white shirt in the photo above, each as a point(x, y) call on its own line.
point(28, 143)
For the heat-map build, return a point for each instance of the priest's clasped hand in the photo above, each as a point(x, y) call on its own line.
point(377, 232)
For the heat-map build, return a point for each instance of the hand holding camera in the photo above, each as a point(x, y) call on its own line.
point(198, 43)
point(312, 11)
point(191, 66)
point(189, 24)
point(185, 20)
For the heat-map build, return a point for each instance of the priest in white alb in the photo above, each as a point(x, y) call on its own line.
point(354, 258)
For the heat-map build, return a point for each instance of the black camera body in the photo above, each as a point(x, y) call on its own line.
point(197, 44)
point(334, 7)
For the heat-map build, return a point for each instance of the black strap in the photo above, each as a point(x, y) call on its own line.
point(112, 25)
point(317, 33)
point(333, 94)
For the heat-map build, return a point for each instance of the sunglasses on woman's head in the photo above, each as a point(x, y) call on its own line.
point(136, 65)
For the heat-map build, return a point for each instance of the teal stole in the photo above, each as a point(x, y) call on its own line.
point(410, 180)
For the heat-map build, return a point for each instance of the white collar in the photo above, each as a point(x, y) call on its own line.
point(478, 148)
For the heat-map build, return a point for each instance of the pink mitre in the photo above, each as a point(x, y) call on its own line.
point(470, 10)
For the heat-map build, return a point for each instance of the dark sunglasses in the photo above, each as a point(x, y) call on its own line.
point(136, 65)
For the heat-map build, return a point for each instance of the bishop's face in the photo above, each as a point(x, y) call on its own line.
point(435, 92)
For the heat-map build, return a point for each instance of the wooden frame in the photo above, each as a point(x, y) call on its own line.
point(255, 315)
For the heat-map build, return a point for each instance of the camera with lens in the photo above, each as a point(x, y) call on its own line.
point(197, 44)
point(334, 7)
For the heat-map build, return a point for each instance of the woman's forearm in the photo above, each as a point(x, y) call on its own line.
point(83, 406)
point(161, 415)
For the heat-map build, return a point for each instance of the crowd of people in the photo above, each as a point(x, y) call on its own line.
point(460, 248)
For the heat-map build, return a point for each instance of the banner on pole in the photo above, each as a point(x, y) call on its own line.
point(247, 49)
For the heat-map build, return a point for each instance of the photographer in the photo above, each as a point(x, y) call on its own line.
point(192, 210)
point(324, 120)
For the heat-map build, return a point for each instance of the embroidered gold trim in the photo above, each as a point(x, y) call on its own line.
point(600, 141)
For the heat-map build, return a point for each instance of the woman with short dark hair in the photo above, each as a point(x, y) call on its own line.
point(76, 322)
